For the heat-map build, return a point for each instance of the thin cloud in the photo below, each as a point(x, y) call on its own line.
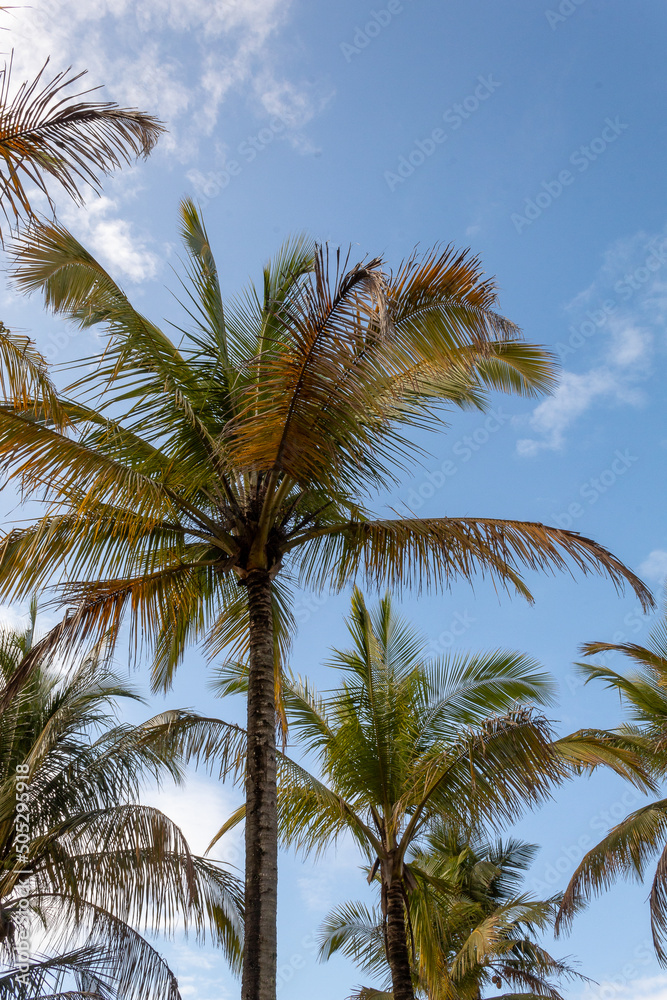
point(178, 59)
point(619, 318)
point(654, 567)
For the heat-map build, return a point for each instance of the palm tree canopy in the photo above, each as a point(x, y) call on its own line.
point(95, 866)
point(404, 739)
point(629, 847)
point(255, 443)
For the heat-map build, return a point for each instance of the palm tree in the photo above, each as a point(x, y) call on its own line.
point(403, 743)
point(627, 849)
point(195, 482)
point(471, 925)
point(79, 856)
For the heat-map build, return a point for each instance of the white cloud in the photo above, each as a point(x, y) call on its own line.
point(617, 317)
point(626, 987)
point(13, 617)
point(199, 808)
point(654, 567)
point(177, 59)
point(574, 395)
point(112, 238)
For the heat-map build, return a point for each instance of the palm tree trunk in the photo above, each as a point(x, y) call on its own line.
point(261, 826)
point(398, 955)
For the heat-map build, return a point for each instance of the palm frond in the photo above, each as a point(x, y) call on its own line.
point(432, 552)
point(49, 135)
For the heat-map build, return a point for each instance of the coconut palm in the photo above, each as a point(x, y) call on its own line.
point(194, 482)
point(629, 847)
point(83, 864)
point(472, 927)
point(404, 742)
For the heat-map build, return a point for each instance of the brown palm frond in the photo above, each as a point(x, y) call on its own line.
point(47, 135)
point(447, 281)
point(430, 552)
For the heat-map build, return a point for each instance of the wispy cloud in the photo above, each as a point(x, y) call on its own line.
point(654, 567)
point(619, 319)
point(178, 59)
point(625, 987)
point(199, 809)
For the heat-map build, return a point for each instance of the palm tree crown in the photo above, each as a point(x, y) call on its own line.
point(472, 926)
point(404, 743)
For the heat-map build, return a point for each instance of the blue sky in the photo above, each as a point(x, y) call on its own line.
point(532, 132)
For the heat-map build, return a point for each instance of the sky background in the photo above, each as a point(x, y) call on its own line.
point(549, 163)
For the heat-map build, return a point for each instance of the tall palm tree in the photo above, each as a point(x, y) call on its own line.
point(404, 742)
point(80, 857)
point(628, 848)
point(194, 482)
point(471, 924)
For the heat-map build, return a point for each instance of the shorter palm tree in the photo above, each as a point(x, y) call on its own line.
point(471, 925)
point(629, 847)
point(404, 742)
point(83, 865)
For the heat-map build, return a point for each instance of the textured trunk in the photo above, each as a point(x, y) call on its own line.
point(398, 955)
point(261, 833)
